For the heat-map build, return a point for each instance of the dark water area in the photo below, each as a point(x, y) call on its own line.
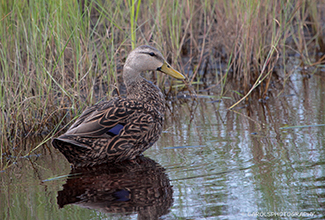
point(262, 160)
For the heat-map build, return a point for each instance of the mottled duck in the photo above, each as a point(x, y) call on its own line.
point(122, 128)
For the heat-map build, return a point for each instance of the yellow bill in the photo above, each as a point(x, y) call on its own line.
point(166, 68)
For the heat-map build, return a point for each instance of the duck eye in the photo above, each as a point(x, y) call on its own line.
point(152, 54)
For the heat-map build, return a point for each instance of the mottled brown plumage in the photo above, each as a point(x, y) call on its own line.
point(120, 129)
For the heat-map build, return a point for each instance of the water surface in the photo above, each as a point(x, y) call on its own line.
point(265, 158)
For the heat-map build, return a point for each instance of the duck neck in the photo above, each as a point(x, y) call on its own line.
point(129, 76)
point(145, 91)
point(141, 89)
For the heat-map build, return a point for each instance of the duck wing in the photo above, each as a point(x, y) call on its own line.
point(103, 120)
point(128, 119)
point(111, 131)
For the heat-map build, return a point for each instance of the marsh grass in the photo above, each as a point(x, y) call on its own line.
point(56, 57)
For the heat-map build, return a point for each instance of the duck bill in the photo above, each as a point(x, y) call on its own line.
point(166, 68)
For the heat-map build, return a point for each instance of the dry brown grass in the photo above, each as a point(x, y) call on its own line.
point(56, 57)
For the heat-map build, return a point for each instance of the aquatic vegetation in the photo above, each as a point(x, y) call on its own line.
point(56, 57)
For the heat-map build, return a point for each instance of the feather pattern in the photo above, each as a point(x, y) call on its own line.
point(122, 128)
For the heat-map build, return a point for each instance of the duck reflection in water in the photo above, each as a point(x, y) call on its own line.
point(140, 186)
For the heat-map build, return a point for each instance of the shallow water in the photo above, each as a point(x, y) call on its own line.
point(210, 163)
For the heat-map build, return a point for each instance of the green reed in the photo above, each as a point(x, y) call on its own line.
point(56, 57)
